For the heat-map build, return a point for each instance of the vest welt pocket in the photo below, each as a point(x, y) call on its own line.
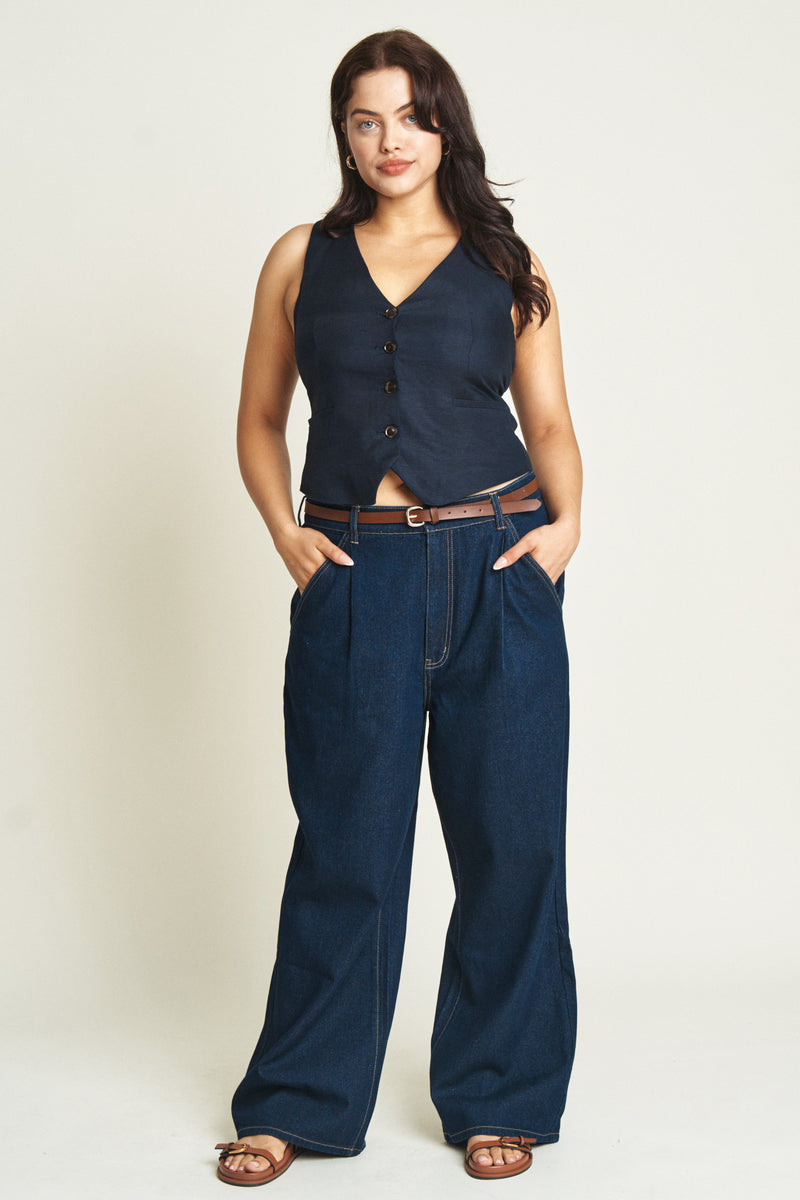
point(499, 405)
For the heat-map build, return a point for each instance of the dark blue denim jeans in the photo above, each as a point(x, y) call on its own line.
point(421, 630)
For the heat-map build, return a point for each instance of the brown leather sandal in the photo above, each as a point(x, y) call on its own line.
point(516, 1142)
point(252, 1178)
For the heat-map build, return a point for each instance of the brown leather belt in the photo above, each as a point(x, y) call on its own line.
point(509, 502)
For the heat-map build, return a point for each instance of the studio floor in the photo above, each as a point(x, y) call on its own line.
point(678, 1090)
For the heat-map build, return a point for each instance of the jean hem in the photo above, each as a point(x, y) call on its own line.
point(297, 1139)
point(463, 1135)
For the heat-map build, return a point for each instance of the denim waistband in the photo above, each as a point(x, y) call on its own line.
point(348, 513)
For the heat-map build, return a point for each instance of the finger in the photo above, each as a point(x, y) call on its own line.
point(515, 554)
point(332, 551)
point(510, 556)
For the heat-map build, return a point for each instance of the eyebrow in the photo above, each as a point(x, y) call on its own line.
point(369, 113)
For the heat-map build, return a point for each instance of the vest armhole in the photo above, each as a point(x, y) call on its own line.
point(304, 273)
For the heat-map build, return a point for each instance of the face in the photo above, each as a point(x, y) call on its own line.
point(381, 129)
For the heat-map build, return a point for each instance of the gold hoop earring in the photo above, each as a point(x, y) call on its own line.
point(447, 151)
point(353, 167)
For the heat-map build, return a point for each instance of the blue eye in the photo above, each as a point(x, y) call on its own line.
point(368, 120)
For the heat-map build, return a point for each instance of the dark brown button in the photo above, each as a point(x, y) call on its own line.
point(391, 431)
point(390, 347)
point(390, 385)
point(391, 311)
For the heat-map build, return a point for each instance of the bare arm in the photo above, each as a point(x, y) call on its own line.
point(540, 399)
point(269, 379)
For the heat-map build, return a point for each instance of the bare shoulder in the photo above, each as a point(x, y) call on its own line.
point(279, 279)
point(537, 268)
point(286, 255)
point(540, 337)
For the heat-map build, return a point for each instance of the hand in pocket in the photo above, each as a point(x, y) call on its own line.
point(306, 551)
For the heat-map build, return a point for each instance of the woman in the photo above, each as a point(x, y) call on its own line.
point(430, 578)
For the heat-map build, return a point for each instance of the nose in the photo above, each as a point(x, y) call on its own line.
point(391, 137)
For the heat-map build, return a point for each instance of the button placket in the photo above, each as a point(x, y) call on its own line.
point(389, 347)
point(390, 385)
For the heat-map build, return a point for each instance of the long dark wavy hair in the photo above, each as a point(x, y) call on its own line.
point(465, 191)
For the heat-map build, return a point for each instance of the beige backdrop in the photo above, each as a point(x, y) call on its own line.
point(153, 152)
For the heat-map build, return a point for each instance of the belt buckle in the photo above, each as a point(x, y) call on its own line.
point(415, 524)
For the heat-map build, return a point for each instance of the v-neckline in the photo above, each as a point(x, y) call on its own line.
point(411, 295)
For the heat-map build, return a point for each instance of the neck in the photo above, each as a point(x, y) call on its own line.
point(409, 217)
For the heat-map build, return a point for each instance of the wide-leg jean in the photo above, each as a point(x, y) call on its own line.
point(421, 631)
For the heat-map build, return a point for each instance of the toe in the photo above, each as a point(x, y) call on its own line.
point(496, 1156)
point(486, 1155)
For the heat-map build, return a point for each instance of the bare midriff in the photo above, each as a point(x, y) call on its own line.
point(392, 490)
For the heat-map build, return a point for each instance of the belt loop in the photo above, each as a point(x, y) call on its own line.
point(498, 512)
point(354, 523)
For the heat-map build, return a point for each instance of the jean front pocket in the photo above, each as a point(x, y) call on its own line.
point(299, 598)
point(556, 589)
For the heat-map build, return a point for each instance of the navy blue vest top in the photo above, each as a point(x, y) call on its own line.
point(417, 386)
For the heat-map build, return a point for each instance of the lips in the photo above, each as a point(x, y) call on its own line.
point(394, 165)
